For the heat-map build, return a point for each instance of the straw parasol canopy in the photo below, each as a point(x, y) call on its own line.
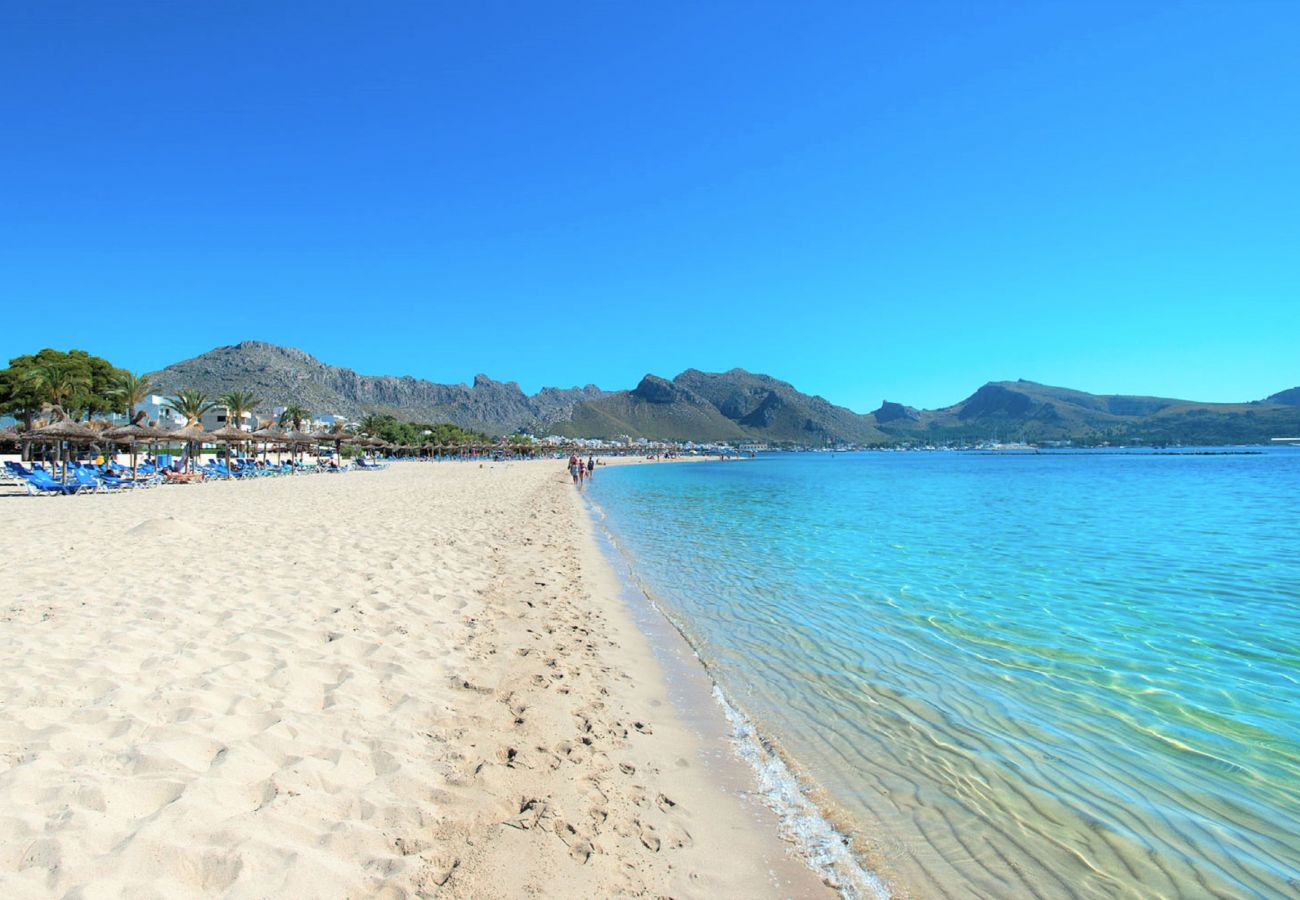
point(295, 439)
point(60, 430)
point(9, 435)
point(192, 433)
point(228, 434)
point(132, 434)
point(270, 434)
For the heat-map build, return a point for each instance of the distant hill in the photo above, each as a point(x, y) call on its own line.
point(1025, 410)
point(1286, 398)
point(657, 409)
point(283, 375)
point(734, 406)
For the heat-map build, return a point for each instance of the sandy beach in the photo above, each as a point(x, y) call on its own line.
point(415, 682)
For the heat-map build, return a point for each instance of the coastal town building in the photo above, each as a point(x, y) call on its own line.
point(155, 409)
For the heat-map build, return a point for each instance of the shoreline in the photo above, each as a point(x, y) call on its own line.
point(677, 675)
point(823, 837)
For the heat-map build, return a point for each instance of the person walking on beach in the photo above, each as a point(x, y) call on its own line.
point(574, 466)
point(591, 466)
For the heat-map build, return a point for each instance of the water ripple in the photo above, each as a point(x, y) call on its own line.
point(1069, 676)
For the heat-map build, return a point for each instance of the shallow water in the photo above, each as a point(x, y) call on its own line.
point(1072, 674)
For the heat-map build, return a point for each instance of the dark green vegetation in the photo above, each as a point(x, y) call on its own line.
point(735, 406)
point(84, 386)
point(407, 434)
point(80, 384)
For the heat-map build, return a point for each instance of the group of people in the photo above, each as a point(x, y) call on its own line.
point(580, 470)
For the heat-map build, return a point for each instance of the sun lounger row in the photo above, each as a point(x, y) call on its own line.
point(80, 480)
point(111, 477)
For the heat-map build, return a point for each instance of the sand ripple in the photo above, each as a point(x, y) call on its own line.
point(386, 684)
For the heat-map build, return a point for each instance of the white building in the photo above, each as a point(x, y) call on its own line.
point(327, 421)
point(155, 409)
point(216, 418)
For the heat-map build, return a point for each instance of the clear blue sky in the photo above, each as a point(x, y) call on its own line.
point(866, 199)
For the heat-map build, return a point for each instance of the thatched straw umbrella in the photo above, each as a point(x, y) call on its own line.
point(64, 430)
point(191, 434)
point(367, 443)
point(266, 436)
point(295, 440)
point(131, 434)
point(228, 435)
point(337, 438)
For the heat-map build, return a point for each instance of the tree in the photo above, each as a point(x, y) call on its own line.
point(238, 404)
point(295, 415)
point(104, 378)
point(87, 382)
point(58, 383)
point(193, 405)
point(374, 423)
point(132, 389)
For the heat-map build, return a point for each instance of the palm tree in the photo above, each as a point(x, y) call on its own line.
point(238, 404)
point(295, 415)
point(371, 424)
point(58, 384)
point(193, 405)
point(132, 389)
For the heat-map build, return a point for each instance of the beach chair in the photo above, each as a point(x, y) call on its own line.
point(90, 481)
point(41, 484)
point(114, 483)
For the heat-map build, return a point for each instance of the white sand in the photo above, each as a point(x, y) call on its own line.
point(404, 683)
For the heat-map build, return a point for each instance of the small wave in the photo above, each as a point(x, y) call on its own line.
point(825, 849)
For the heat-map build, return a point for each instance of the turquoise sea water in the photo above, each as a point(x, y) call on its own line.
point(1059, 675)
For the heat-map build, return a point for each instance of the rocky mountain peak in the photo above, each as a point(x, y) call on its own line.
point(284, 375)
point(894, 412)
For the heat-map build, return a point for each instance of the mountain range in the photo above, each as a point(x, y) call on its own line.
point(732, 406)
point(283, 375)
